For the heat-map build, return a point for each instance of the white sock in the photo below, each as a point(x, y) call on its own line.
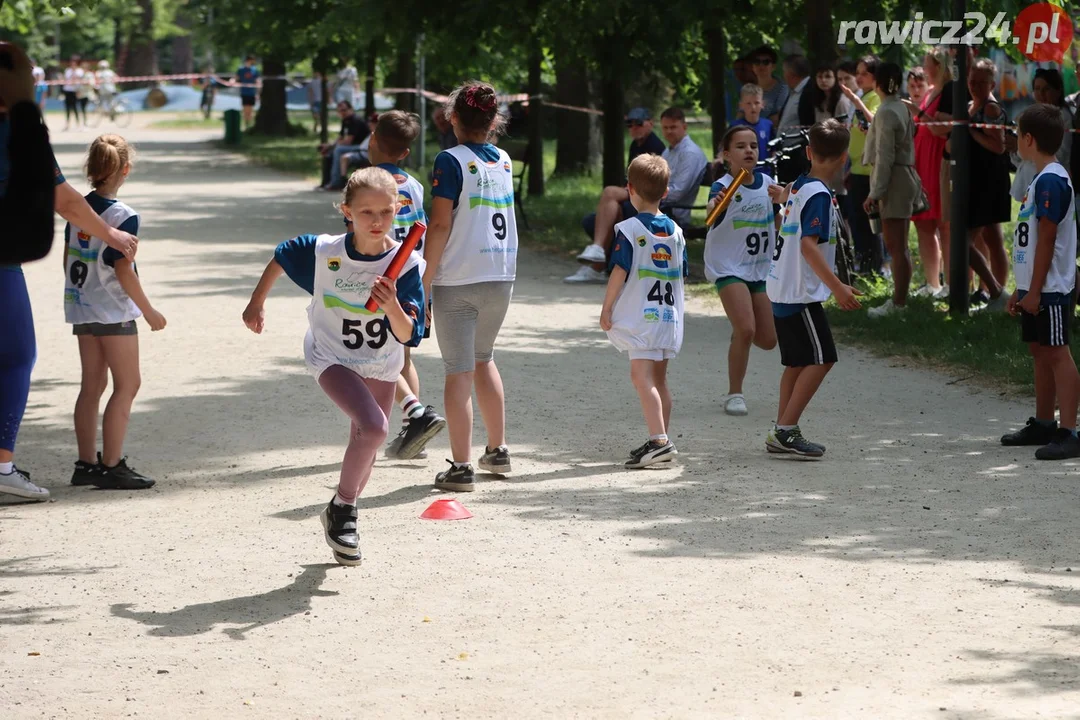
point(411, 408)
point(661, 438)
point(7, 468)
point(342, 503)
point(458, 465)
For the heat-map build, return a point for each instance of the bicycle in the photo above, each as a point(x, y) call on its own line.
point(115, 108)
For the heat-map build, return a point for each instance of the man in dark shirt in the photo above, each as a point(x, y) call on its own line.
point(353, 132)
point(644, 141)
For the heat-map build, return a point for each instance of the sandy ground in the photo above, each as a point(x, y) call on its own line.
point(919, 571)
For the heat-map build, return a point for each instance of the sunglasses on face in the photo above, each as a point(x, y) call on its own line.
point(762, 61)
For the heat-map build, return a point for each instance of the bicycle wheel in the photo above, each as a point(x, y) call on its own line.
point(121, 114)
point(94, 113)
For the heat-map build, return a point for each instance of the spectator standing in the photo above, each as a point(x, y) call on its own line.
point(895, 189)
point(932, 225)
point(774, 92)
point(845, 75)
point(73, 77)
point(868, 245)
point(314, 97)
point(250, 82)
point(828, 99)
point(85, 89)
point(41, 90)
point(1048, 87)
point(795, 111)
point(917, 87)
point(347, 87)
point(106, 84)
point(751, 105)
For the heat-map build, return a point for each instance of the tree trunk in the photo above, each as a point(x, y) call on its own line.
point(406, 77)
point(716, 46)
point(612, 98)
point(272, 118)
point(183, 55)
point(142, 52)
point(821, 37)
point(369, 81)
point(536, 127)
point(576, 147)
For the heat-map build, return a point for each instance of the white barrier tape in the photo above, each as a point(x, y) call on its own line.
point(119, 80)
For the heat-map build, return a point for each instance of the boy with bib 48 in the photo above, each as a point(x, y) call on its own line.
point(643, 306)
point(801, 278)
point(1044, 252)
point(355, 355)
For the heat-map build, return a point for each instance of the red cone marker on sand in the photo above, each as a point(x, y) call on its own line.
point(446, 509)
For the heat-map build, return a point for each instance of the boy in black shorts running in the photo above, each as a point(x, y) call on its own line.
point(800, 279)
point(1044, 249)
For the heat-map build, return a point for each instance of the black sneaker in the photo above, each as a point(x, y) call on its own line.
point(85, 473)
point(394, 448)
point(419, 432)
point(979, 298)
point(459, 479)
point(121, 477)
point(1034, 433)
point(651, 453)
point(793, 443)
point(1065, 445)
point(637, 452)
point(497, 461)
point(349, 560)
point(339, 525)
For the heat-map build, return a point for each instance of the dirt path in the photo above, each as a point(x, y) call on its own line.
point(920, 571)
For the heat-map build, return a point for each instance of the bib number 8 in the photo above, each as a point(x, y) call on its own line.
point(77, 273)
point(1022, 234)
point(779, 246)
point(354, 333)
point(662, 298)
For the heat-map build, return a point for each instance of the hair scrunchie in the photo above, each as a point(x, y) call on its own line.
point(473, 101)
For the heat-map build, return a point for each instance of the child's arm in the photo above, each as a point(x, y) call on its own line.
point(438, 232)
point(845, 294)
point(1044, 258)
point(614, 284)
point(253, 314)
point(402, 300)
point(129, 281)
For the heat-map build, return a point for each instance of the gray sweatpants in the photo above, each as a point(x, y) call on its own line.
point(467, 321)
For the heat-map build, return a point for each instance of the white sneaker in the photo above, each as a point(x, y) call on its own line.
point(888, 308)
point(942, 293)
point(18, 484)
point(735, 405)
point(926, 291)
point(586, 274)
point(592, 254)
point(998, 304)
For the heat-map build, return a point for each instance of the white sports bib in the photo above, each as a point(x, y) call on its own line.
point(739, 245)
point(92, 293)
point(1061, 277)
point(648, 314)
point(342, 331)
point(483, 241)
point(791, 279)
point(411, 197)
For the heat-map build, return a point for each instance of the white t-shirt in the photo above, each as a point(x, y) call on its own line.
point(92, 292)
point(341, 330)
point(649, 314)
point(791, 279)
point(107, 80)
point(738, 245)
point(73, 79)
point(1061, 277)
point(483, 242)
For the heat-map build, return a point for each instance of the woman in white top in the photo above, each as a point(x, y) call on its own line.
point(471, 251)
point(73, 78)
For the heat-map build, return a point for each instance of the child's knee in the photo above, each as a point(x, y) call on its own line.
point(375, 430)
point(743, 334)
point(765, 341)
point(127, 386)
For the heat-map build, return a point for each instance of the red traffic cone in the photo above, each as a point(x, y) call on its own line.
point(446, 509)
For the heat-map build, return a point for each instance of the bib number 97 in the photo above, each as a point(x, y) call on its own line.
point(355, 333)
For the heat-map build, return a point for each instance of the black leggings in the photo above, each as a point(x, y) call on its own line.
point(71, 105)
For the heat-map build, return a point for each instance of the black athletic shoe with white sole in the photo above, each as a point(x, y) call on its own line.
point(792, 442)
point(394, 447)
point(339, 526)
point(651, 453)
point(85, 473)
point(121, 477)
point(1064, 446)
point(419, 431)
point(458, 479)
point(1033, 433)
point(496, 461)
point(348, 560)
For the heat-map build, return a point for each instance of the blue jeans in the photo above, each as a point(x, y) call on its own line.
point(335, 165)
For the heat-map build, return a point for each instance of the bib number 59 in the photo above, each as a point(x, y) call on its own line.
point(357, 332)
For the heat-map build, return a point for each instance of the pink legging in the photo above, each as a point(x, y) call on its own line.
point(367, 403)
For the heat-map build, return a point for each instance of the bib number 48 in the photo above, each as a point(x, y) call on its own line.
point(355, 333)
point(665, 297)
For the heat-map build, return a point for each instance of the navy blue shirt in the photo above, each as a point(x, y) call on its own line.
point(816, 216)
point(247, 75)
point(297, 258)
point(446, 180)
point(622, 254)
point(1052, 198)
point(651, 146)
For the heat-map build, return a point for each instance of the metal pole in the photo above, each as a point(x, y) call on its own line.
point(960, 170)
point(420, 77)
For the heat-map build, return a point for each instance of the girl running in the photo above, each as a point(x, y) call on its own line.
point(102, 299)
point(471, 249)
point(355, 355)
point(737, 256)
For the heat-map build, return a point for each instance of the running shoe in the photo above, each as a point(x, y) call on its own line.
point(17, 483)
point(496, 461)
point(1033, 433)
point(339, 526)
point(458, 479)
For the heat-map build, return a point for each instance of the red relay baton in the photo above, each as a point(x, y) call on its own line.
point(394, 268)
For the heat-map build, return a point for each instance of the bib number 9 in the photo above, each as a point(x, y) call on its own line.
point(77, 273)
point(1022, 234)
point(667, 297)
point(355, 333)
point(498, 221)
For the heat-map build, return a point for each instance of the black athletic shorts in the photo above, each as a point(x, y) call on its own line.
point(1050, 328)
point(247, 100)
point(805, 338)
